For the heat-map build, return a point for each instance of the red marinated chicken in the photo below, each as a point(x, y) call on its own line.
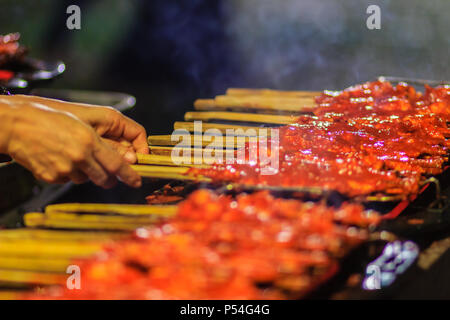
point(368, 139)
point(251, 247)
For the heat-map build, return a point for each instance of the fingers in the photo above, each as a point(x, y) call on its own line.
point(124, 128)
point(124, 148)
point(103, 165)
point(115, 165)
point(108, 122)
point(57, 147)
point(136, 134)
point(112, 124)
point(51, 178)
point(78, 177)
point(97, 174)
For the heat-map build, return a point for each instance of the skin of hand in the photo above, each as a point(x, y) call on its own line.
point(59, 145)
point(120, 132)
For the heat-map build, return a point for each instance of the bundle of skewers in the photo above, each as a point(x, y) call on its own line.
point(369, 142)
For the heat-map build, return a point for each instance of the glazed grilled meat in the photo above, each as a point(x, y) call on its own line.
point(368, 139)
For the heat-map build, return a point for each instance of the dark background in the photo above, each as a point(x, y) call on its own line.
point(168, 53)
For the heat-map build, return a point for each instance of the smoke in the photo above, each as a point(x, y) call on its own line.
point(199, 48)
point(314, 44)
point(182, 50)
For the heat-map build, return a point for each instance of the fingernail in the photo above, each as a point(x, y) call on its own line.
point(130, 157)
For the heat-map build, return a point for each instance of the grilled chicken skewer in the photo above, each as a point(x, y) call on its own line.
point(239, 117)
point(271, 92)
point(269, 103)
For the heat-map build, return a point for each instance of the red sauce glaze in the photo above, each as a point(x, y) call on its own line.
point(370, 138)
point(217, 247)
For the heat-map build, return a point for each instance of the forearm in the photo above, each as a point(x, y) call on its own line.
point(74, 108)
point(90, 114)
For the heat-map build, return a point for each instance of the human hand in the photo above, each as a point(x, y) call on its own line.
point(57, 146)
point(122, 133)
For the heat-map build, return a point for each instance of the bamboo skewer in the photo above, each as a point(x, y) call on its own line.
point(170, 160)
point(166, 140)
point(240, 117)
point(31, 278)
point(26, 256)
point(257, 102)
point(180, 173)
point(186, 141)
point(164, 172)
point(207, 128)
point(50, 249)
point(107, 219)
point(218, 143)
point(129, 210)
point(168, 150)
point(35, 264)
point(99, 216)
point(60, 236)
point(39, 220)
point(160, 169)
point(96, 216)
point(9, 294)
point(270, 92)
point(211, 105)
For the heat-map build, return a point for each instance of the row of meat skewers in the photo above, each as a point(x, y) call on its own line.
point(210, 247)
point(369, 139)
